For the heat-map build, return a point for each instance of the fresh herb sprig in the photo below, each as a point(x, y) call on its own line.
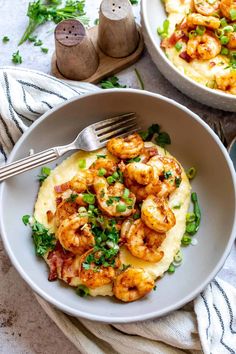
point(111, 82)
point(154, 131)
point(5, 39)
point(44, 241)
point(133, 2)
point(40, 12)
point(16, 58)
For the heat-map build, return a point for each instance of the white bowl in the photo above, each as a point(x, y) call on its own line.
point(152, 16)
point(193, 143)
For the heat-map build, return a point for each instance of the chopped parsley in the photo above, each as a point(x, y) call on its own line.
point(16, 58)
point(5, 39)
point(111, 82)
point(167, 174)
point(163, 139)
point(38, 43)
point(44, 241)
point(44, 173)
point(133, 2)
point(44, 50)
point(72, 198)
point(135, 159)
point(178, 181)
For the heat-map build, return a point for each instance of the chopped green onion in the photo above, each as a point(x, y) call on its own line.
point(186, 240)
point(200, 30)
point(163, 31)
point(171, 269)
point(140, 80)
point(177, 206)
point(191, 173)
point(25, 219)
point(211, 84)
point(82, 164)
point(224, 51)
point(178, 181)
point(223, 22)
point(120, 208)
point(115, 175)
point(228, 29)
point(234, 27)
point(126, 193)
point(17, 58)
point(232, 13)
point(101, 156)
point(224, 40)
point(89, 198)
point(45, 172)
point(38, 43)
point(178, 257)
point(82, 291)
point(110, 180)
point(102, 172)
point(178, 46)
point(192, 34)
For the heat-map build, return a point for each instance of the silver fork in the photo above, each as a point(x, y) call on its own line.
point(91, 138)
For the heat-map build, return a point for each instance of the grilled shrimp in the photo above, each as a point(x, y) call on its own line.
point(75, 235)
point(157, 215)
point(203, 47)
point(200, 20)
point(126, 148)
point(108, 165)
point(111, 199)
point(81, 181)
point(226, 6)
point(64, 210)
point(132, 284)
point(142, 242)
point(138, 172)
point(142, 192)
point(227, 81)
point(232, 40)
point(95, 276)
point(205, 7)
point(168, 171)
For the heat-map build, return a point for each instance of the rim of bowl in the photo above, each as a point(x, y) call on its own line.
point(107, 319)
point(144, 6)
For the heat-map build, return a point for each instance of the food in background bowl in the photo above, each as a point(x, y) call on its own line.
point(199, 38)
point(111, 222)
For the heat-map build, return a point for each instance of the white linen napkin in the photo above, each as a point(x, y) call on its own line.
point(206, 325)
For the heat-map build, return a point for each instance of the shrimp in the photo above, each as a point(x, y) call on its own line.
point(167, 170)
point(232, 40)
point(227, 81)
point(138, 172)
point(203, 47)
point(200, 20)
point(157, 215)
point(81, 181)
point(126, 148)
point(95, 276)
point(64, 210)
point(75, 234)
point(142, 192)
point(144, 243)
point(108, 165)
point(205, 7)
point(111, 199)
point(132, 284)
point(226, 6)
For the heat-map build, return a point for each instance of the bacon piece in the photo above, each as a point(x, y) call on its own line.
point(58, 259)
point(184, 55)
point(212, 64)
point(58, 200)
point(50, 216)
point(172, 40)
point(62, 187)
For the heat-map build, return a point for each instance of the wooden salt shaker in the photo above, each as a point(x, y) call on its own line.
point(76, 57)
point(118, 36)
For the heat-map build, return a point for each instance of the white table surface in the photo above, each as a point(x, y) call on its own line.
point(24, 327)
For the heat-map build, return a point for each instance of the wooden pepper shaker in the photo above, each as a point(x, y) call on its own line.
point(76, 57)
point(118, 36)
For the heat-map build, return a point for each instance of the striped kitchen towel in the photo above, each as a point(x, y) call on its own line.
point(206, 325)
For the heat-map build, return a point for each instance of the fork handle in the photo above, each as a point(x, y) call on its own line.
point(27, 163)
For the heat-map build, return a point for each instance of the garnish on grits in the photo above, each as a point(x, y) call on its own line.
point(111, 222)
point(199, 38)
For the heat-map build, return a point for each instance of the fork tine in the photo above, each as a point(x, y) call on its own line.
point(123, 129)
point(113, 120)
point(112, 127)
point(129, 132)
